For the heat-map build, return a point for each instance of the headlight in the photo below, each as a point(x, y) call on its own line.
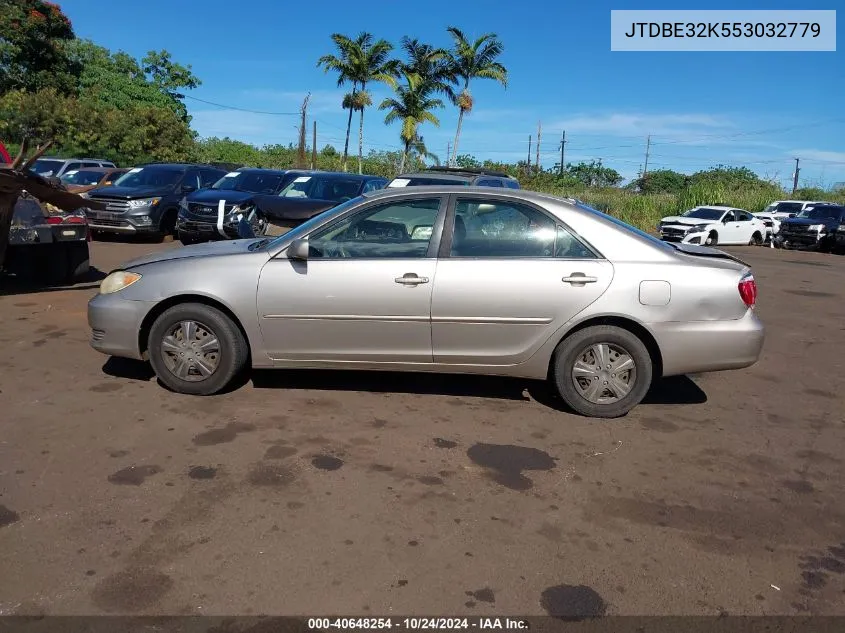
point(118, 280)
point(84, 194)
point(699, 227)
point(143, 202)
point(842, 228)
point(816, 227)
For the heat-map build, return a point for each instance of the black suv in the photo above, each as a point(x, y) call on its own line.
point(198, 219)
point(815, 226)
point(458, 176)
point(145, 200)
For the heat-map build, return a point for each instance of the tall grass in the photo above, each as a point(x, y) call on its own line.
point(645, 210)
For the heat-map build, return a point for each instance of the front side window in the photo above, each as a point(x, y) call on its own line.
point(373, 185)
point(396, 230)
point(742, 216)
point(506, 229)
point(82, 177)
point(322, 188)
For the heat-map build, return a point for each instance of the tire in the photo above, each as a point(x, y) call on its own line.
point(167, 224)
point(577, 347)
point(756, 239)
point(79, 258)
point(232, 350)
point(187, 240)
point(712, 239)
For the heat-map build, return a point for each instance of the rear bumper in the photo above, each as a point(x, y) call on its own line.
point(115, 324)
point(703, 346)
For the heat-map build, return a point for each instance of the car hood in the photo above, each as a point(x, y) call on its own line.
point(808, 221)
point(213, 196)
point(207, 249)
point(292, 208)
point(80, 188)
point(675, 219)
point(129, 193)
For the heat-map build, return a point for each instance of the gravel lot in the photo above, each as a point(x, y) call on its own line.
point(358, 493)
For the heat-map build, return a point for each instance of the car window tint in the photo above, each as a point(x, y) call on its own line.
point(209, 176)
point(192, 178)
point(729, 217)
point(397, 230)
point(741, 216)
point(512, 184)
point(72, 166)
point(489, 182)
point(501, 229)
point(373, 185)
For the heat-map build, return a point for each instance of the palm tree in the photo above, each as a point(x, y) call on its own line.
point(420, 152)
point(433, 65)
point(342, 64)
point(370, 62)
point(412, 106)
point(474, 60)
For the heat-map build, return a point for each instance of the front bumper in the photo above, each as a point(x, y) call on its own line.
point(703, 346)
point(205, 226)
point(115, 324)
point(672, 234)
point(140, 221)
point(798, 238)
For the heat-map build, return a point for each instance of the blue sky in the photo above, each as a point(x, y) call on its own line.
point(755, 109)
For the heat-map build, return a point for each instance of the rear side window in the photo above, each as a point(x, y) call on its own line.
point(489, 182)
point(511, 184)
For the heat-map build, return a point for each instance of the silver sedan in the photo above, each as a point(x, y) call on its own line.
point(440, 279)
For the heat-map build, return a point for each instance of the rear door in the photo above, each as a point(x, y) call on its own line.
point(509, 275)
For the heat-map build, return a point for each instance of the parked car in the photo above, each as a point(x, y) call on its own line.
point(815, 227)
point(782, 209)
point(712, 225)
point(199, 217)
point(46, 245)
point(772, 223)
point(51, 166)
point(145, 200)
point(82, 180)
point(510, 283)
point(459, 176)
point(309, 193)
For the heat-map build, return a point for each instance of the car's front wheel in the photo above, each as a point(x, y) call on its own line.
point(196, 349)
point(712, 239)
point(756, 239)
point(602, 371)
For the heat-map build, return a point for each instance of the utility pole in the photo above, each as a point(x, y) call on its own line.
point(529, 152)
point(647, 149)
point(562, 143)
point(537, 162)
point(795, 178)
point(314, 147)
point(300, 153)
point(448, 153)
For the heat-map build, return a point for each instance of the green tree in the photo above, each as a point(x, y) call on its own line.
point(227, 150)
point(474, 60)
point(33, 56)
point(468, 161)
point(412, 106)
point(594, 174)
point(342, 64)
point(120, 81)
point(661, 181)
point(725, 176)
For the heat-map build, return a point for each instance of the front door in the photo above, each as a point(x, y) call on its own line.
point(363, 295)
point(511, 277)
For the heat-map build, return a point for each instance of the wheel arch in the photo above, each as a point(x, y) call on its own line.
point(623, 322)
point(161, 306)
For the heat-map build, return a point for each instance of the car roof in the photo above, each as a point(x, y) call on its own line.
point(335, 174)
point(518, 194)
point(433, 175)
point(467, 171)
point(264, 170)
point(718, 207)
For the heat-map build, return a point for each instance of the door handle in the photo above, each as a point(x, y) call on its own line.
point(411, 279)
point(579, 279)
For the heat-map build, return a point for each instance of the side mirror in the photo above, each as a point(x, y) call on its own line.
point(298, 249)
point(188, 188)
point(725, 220)
point(791, 215)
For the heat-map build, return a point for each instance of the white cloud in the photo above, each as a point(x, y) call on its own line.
point(677, 126)
point(819, 155)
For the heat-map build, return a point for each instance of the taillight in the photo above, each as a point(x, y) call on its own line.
point(75, 219)
point(54, 219)
point(748, 290)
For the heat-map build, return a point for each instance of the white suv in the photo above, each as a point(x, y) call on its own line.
point(711, 225)
point(57, 167)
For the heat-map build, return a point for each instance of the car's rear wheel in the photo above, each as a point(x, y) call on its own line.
point(756, 239)
point(712, 239)
point(602, 371)
point(196, 349)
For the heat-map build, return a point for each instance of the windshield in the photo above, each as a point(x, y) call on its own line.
point(820, 213)
point(704, 213)
point(249, 182)
point(149, 176)
point(784, 207)
point(627, 227)
point(338, 189)
point(418, 181)
point(82, 177)
point(305, 227)
point(47, 166)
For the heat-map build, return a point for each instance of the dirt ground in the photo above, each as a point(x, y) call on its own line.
point(371, 494)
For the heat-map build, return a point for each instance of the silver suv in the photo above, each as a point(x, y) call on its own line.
point(57, 167)
point(460, 176)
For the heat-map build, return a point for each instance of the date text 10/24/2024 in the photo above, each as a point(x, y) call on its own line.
point(419, 623)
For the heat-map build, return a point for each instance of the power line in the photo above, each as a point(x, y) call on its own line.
point(228, 107)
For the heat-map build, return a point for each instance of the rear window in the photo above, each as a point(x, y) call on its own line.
point(627, 227)
point(785, 207)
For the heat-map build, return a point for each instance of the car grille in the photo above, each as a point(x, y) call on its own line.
point(673, 232)
point(795, 228)
point(207, 210)
point(104, 222)
point(115, 206)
